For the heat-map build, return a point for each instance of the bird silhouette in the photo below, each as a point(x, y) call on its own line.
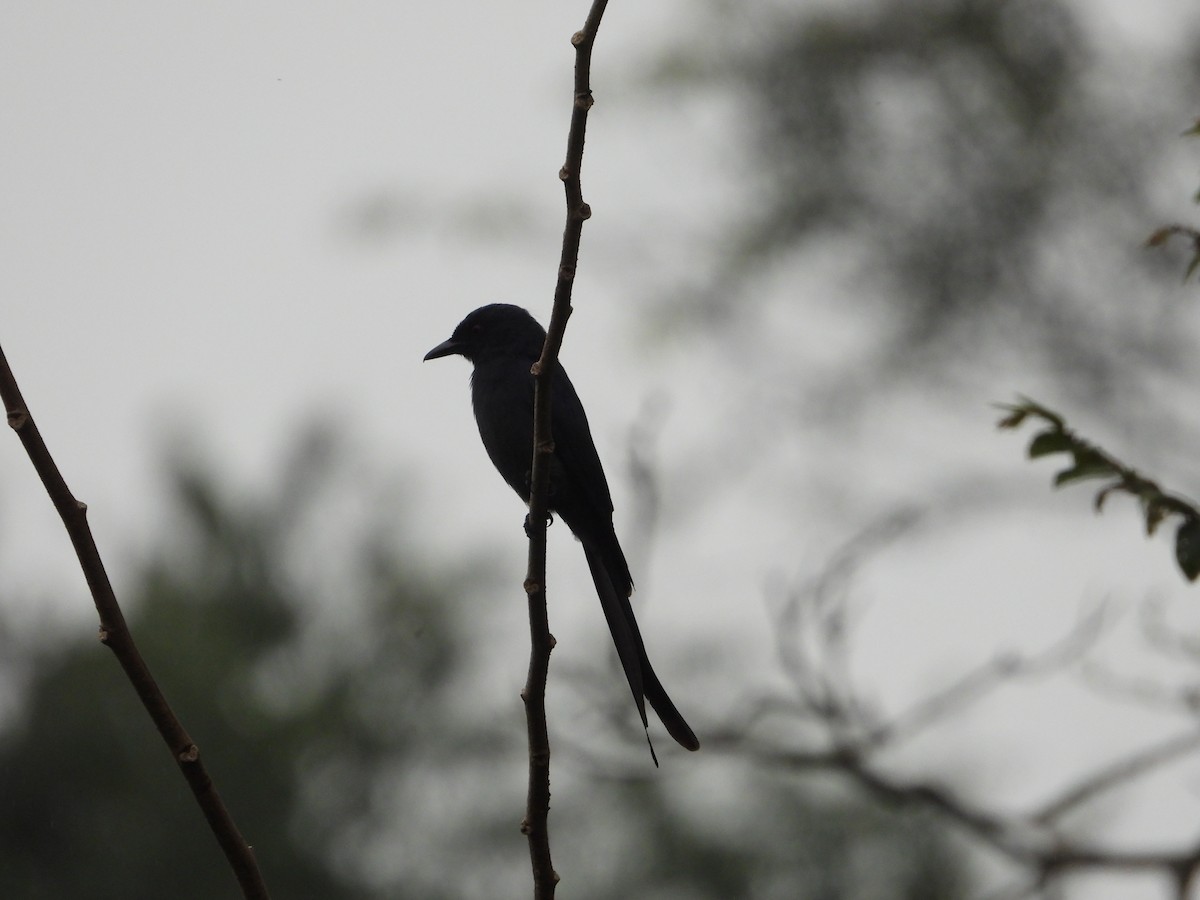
point(502, 342)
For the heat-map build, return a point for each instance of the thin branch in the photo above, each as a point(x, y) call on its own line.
point(114, 634)
point(1024, 841)
point(1118, 774)
point(837, 732)
point(991, 829)
point(815, 620)
point(1146, 692)
point(535, 825)
point(1174, 644)
point(990, 676)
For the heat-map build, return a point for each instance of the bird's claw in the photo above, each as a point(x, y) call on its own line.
point(528, 529)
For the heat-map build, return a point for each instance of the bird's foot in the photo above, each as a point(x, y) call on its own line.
point(528, 531)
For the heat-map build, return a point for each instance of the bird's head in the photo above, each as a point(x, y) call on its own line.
point(496, 330)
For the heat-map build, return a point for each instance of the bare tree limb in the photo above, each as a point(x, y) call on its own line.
point(1117, 774)
point(115, 634)
point(1033, 845)
point(837, 730)
point(535, 825)
point(991, 675)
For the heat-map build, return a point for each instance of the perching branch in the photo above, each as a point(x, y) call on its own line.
point(114, 634)
point(535, 825)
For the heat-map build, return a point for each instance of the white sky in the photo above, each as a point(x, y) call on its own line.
point(175, 185)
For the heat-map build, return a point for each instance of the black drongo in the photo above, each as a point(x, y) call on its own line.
point(503, 342)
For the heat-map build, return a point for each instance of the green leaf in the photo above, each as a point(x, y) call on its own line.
point(1087, 465)
point(1015, 416)
point(1098, 503)
point(1156, 511)
point(1036, 409)
point(1020, 411)
point(1192, 267)
point(1050, 441)
point(1187, 548)
point(1159, 236)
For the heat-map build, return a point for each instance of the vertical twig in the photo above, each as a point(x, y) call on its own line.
point(114, 634)
point(537, 807)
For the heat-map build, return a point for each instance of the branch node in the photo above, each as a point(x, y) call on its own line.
point(566, 273)
point(103, 635)
point(578, 38)
point(584, 211)
point(563, 174)
point(189, 754)
point(17, 418)
point(531, 587)
point(584, 101)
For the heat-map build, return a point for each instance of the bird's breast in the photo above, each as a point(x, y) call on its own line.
point(502, 398)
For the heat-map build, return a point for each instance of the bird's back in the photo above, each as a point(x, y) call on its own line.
point(502, 396)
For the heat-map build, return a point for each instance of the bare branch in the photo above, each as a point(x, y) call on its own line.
point(535, 825)
point(1143, 691)
point(1174, 644)
point(1044, 852)
point(834, 729)
point(815, 621)
point(115, 635)
point(1118, 774)
point(991, 675)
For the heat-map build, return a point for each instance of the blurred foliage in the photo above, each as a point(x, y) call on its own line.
point(322, 669)
point(774, 838)
point(988, 165)
point(298, 717)
point(1190, 235)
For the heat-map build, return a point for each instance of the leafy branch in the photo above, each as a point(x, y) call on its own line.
point(1191, 235)
point(1089, 461)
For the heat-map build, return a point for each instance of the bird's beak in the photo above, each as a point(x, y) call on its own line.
point(445, 348)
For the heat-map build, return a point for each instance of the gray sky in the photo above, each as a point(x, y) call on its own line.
point(177, 186)
point(177, 251)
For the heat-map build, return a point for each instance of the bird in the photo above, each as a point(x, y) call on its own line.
point(502, 342)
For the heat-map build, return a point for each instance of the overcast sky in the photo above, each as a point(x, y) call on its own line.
point(179, 251)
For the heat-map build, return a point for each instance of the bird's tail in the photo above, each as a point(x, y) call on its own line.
point(632, 653)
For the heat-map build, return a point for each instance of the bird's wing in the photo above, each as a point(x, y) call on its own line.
point(576, 451)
